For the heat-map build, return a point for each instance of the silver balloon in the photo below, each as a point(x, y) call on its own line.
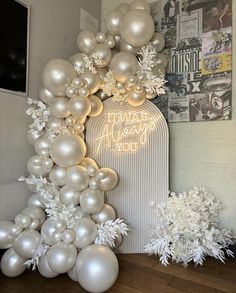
point(86, 41)
point(23, 221)
point(42, 146)
point(57, 75)
point(99, 259)
point(39, 166)
point(85, 232)
point(106, 214)
point(92, 201)
point(79, 107)
point(72, 274)
point(44, 268)
point(61, 257)
point(113, 21)
point(32, 136)
point(140, 4)
point(137, 28)
point(77, 60)
point(123, 7)
point(123, 65)
point(6, 238)
point(88, 162)
point(27, 242)
point(158, 41)
point(34, 201)
point(12, 264)
point(77, 178)
point(68, 150)
point(110, 181)
point(104, 53)
point(48, 228)
point(46, 96)
point(135, 98)
point(54, 123)
point(92, 79)
point(59, 108)
point(69, 195)
point(79, 213)
point(96, 106)
point(127, 48)
point(35, 213)
point(58, 175)
point(162, 60)
point(68, 236)
point(100, 38)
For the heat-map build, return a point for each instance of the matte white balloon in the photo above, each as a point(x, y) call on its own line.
point(6, 238)
point(68, 150)
point(69, 195)
point(46, 96)
point(61, 257)
point(59, 108)
point(86, 41)
point(79, 106)
point(85, 232)
point(113, 21)
point(93, 80)
point(44, 268)
point(96, 268)
point(12, 264)
point(27, 242)
point(96, 106)
point(110, 181)
point(57, 75)
point(106, 214)
point(58, 175)
point(92, 201)
point(77, 178)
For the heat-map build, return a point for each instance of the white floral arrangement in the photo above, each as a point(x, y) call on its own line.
point(188, 229)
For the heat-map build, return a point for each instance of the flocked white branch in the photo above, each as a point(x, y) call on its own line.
point(39, 252)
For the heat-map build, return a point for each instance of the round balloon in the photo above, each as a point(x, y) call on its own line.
point(158, 41)
point(140, 4)
point(106, 214)
point(85, 232)
point(39, 166)
point(78, 60)
point(96, 106)
point(77, 178)
point(110, 181)
point(42, 146)
point(32, 136)
point(92, 201)
point(69, 195)
point(104, 53)
point(58, 175)
point(59, 108)
point(12, 264)
point(44, 268)
point(123, 7)
point(27, 242)
point(34, 201)
point(6, 238)
point(46, 96)
point(113, 21)
point(93, 80)
point(86, 41)
point(136, 98)
point(127, 48)
point(54, 123)
point(35, 213)
point(79, 106)
point(48, 228)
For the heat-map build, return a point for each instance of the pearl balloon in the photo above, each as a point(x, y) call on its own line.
point(59, 108)
point(100, 38)
point(106, 214)
point(92, 79)
point(46, 96)
point(113, 21)
point(35, 224)
point(44, 268)
point(123, 7)
point(35, 213)
point(57, 75)
point(158, 41)
point(34, 201)
point(68, 236)
point(23, 221)
point(92, 170)
point(92, 201)
point(61, 257)
point(86, 41)
point(110, 41)
point(15, 230)
point(68, 150)
point(48, 228)
point(100, 94)
point(56, 237)
point(123, 65)
point(83, 92)
point(85, 232)
point(162, 60)
point(54, 123)
point(79, 107)
point(94, 183)
point(136, 98)
point(42, 146)
point(77, 178)
point(110, 181)
point(88, 162)
point(12, 264)
point(99, 259)
point(60, 225)
point(6, 238)
point(96, 106)
point(71, 92)
point(27, 242)
point(127, 48)
point(72, 274)
point(104, 53)
point(137, 28)
point(33, 136)
point(69, 196)
point(140, 4)
point(39, 166)
point(77, 60)
point(58, 175)
point(79, 213)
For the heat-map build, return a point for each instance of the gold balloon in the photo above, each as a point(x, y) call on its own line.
point(136, 98)
point(137, 28)
point(68, 150)
point(92, 79)
point(96, 106)
point(57, 76)
point(79, 106)
point(113, 21)
point(86, 41)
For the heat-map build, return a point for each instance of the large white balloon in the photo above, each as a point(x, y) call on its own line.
point(93, 80)
point(106, 214)
point(48, 228)
point(12, 264)
point(6, 239)
point(79, 106)
point(110, 181)
point(92, 201)
point(27, 242)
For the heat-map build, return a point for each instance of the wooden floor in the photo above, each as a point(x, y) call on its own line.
point(138, 273)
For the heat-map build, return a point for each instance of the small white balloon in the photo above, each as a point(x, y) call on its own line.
point(6, 237)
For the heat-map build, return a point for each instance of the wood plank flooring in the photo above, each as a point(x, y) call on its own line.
point(138, 274)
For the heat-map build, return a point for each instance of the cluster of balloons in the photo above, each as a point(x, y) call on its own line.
point(73, 90)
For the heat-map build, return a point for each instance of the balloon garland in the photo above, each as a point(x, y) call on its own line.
point(67, 227)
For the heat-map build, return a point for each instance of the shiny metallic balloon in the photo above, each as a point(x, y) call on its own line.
point(34, 201)
point(15, 230)
point(46, 96)
point(100, 38)
point(104, 53)
point(92, 201)
point(68, 236)
point(135, 98)
point(39, 166)
point(127, 48)
point(6, 237)
point(44, 268)
point(123, 7)
point(48, 228)
point(137, 28)
point(96, 106)
point(59, 108)
point(77, 178)
point(78, 82)
point(106, 214)
point(99, 259)
point(101, 95)
point(92, 170)
point(32, 136)
point(23, 220)
point(140, 4)
point(35, 213)
point(110, 41)
point(77, 60)
point(60, 225)
point(58, 175)
point(61, 257)
point(85, 232)
point(110, 181)
point(113, 21)
point(79, 213)
point(123, 65)
point(54, 123)
point(56, 237)
point(12, 264)
point(88, 162)
point(57, 76)
point(158, 41)
point(94, 183)
point(86, 41)
point(79, 107)
point(27, 242)
point(42, 146)
point(69, 195)
point(72, 274)
point(68, 150)
point(92, 79)
point(83, 92)
point(71, 92)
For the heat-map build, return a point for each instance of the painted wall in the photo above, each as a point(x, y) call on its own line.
point(204, 152)
point(53, 31)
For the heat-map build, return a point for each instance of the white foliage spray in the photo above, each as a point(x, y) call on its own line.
point(39, 252)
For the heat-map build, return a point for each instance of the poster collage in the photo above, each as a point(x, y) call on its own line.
point(198, 36)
